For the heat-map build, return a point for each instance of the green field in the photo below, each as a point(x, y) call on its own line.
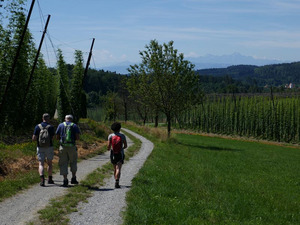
point(195, 179)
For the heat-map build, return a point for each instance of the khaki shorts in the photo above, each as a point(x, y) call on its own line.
point(67, 155)
point(45, 152)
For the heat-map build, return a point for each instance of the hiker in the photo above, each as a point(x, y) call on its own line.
point(67, 133)
point(43, 133)
point(116, 144)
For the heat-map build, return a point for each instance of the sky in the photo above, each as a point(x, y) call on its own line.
point(265, 29)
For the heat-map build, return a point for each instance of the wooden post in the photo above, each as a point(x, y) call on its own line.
point(35, 61)
point(87, 63)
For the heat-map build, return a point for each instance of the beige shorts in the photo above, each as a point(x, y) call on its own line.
point(45, 152)
point(67, 155)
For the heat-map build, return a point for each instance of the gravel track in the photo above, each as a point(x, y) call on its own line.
point(106, 203)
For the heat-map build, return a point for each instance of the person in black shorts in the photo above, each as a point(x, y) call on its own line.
point(116, 144)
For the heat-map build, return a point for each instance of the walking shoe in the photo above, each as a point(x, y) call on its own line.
point(42, 183)
point(117, 185)
point(74, 181)
point(65, 184)
point(50, 181)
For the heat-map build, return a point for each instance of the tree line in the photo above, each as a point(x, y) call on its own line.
point(253, 78)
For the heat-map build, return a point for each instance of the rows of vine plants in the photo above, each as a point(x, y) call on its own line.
point(262, 117)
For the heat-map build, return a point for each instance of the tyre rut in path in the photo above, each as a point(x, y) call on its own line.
point(107, 203)
point(23, 207)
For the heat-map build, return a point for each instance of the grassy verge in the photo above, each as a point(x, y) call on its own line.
point(58, 209)
point(192, 179)
point(25, 153)
point(25, 176)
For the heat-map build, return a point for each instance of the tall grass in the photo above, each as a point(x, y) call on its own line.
point(203, 180)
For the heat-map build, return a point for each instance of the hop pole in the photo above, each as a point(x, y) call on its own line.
point(88, 63)
point(35, 61)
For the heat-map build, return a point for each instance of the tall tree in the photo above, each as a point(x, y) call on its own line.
point(63, 102)
point(139, 87)
point(14, 89)
point(111, 104)
point(77, 89)
point(169, 79)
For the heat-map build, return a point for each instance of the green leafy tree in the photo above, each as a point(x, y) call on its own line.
point(42, 94)
point(63, 102)
point(14, 82)
point(168, 80)
point(124, 95)
point(77, 89)
point(111, 104)
point(138, 86)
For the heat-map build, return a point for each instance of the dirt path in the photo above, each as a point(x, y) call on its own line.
point(107, 203)
point(24, 206)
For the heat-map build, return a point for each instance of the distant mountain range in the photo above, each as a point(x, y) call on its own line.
point(205, 62)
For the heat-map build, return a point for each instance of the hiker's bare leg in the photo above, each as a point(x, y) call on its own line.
point(41, 168)
point(118, 171)
point(49, 162)
point(115, 171)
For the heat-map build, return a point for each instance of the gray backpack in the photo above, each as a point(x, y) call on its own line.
point(44, 136)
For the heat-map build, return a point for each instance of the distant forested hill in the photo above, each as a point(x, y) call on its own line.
point(275, 75)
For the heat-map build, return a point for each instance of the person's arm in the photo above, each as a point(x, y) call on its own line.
point(35, 134)
point(52, 132)
point(109, 144)
point(124, 143)
point(77, 132)
point(58, 133)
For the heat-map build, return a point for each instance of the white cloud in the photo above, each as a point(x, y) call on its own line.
point(272, 44)
point(192, 55)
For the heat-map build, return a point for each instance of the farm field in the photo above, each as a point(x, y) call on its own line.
point(193, 179)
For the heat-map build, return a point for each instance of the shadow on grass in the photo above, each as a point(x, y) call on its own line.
point(211, 148)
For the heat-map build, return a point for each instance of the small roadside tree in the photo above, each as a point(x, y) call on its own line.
point(166, 79)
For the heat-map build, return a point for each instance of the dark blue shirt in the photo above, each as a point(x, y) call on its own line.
point(37, 131)
point(61, 131)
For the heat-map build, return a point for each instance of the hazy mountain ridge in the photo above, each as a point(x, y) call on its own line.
point(205, 62)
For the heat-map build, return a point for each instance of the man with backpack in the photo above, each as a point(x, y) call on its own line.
point(43, 134)
point(116, 144)
point(67, 133)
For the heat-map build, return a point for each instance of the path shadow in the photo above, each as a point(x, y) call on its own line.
point(101, 189)
point(106, 189)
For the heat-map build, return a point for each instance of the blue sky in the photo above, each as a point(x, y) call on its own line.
point(263, 29)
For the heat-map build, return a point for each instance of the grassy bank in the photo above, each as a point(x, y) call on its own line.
point(193, 179)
